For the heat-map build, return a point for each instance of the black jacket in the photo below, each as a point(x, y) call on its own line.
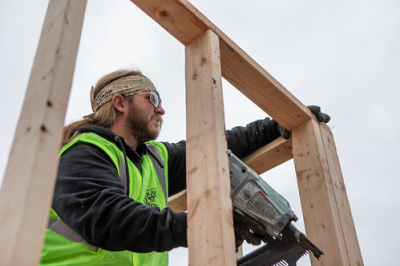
point(90, 197)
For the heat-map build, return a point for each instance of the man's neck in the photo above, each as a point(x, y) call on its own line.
point(120, 131)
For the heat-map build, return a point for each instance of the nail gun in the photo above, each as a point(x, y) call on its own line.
point(254, 198)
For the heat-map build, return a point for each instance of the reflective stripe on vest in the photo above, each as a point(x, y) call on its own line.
point(122, 173)
point(61, 228)
point(159, 167)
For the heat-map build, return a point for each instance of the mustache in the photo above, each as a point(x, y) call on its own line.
point(157, 118)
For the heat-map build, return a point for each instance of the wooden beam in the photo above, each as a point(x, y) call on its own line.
point(178, 201)
point(326, 210)
point(270, 156)
point(29, 178)
point(262, 160)
point(211, 238)
point(183, 21)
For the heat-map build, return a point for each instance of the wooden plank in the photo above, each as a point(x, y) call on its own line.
point(211, 238)
point(28, 183)
point(177, 202)
point(239, 253)
point(262, 160)
point(183, 21)
point(270, 156)
point(342, 201)
point(326, 210)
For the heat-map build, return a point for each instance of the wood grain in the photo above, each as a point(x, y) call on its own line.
point(326, 210)
point(29, 178)
point(210, 225)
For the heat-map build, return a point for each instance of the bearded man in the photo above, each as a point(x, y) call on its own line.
point(110, 199)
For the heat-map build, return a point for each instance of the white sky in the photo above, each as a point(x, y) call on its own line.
point(341, 55)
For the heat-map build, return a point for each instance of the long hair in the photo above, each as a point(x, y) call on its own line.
point(106, 115)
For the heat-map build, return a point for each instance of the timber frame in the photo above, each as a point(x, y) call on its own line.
point(210, 55)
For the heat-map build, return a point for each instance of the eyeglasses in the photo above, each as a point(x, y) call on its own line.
point(155, 99)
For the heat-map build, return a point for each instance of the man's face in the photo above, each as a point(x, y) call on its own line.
point(144, 121)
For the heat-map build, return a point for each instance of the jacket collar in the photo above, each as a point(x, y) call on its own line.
point(112, 137)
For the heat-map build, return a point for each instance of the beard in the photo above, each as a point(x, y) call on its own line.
point(141, 127)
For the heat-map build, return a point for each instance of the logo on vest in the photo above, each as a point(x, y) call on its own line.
point(150, 200)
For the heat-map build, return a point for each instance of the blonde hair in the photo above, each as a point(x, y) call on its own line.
point(106, 115)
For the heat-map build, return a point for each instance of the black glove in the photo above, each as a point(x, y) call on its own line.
point(246, 229)
point(283, 132)
point(321, 117)
point(316, 110)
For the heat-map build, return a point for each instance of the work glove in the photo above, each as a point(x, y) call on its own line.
point(321, 117)
point(246, 229)
point(316, 110)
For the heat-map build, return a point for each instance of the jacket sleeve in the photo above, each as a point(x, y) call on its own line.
point(90, 198)
point(242, 141)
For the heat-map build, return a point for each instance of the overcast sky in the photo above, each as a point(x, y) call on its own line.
point(341, 55)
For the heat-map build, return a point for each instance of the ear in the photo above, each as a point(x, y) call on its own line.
point(119, 103)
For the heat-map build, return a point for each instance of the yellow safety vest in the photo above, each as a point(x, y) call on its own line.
point(65, 247)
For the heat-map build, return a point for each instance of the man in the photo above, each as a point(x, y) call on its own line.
point(109, 205)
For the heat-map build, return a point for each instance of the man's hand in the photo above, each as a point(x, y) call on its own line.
point(246, 229)
point(321, 117)
point(316, 110)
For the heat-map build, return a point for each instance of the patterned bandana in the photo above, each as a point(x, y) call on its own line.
point(125, 86)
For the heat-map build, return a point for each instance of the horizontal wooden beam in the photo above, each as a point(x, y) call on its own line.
point(177, 202)
point(270, 156)
point(262, 160)
point(183, 21)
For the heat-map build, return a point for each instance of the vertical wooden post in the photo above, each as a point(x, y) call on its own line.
point(327, 215)
point(210, 227)
point(29, 178)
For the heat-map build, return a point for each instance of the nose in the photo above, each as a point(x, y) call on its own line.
point(160, 110)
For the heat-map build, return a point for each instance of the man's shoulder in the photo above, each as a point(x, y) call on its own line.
point(100, 131)
point(92, 136)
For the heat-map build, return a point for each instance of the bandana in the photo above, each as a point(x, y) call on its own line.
point(125, 86)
